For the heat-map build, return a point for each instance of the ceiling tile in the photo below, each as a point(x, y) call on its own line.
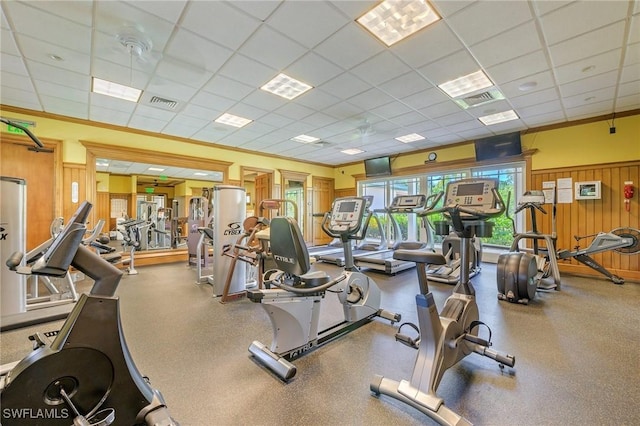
point(9, 79)
point(168, 10)
point(117, 18)
point(544, 7)
point(447, 8)
point(432, 43)
point(45, 26)
point(248, 71)
point(170, 89)
point(228, 88)
point(118, 74)
point(63, 92)
point(590, 110)
point(196, 52)
point(219, 22)
point(316, 99)
point(294, 111)
point(409, 118)
point(13, 64)
point(544, 119)
point(345, 86)
point(534, 98)
point(523, 66)
point(542, 108)
point(630, 73)
point(349, 46)
point(380, 68)
point(631, 88)
point(247, 111)
point(634, 29)
point(175, 70)
point(21, 98)
point(258, 8)
point(589, 84)
point(405, 85)
point(343, 110)
point(543, 80)
point(440, 110)
point(309, 23)
point(41, 71)
point(65, 107)
point(41, 51)
point(354, 9)
point(264, 100)
point(508, 45)
point(184, 130)
point(147, 123)
point(588, 67)
point(370, 99)
point(276, 120)
point(562, 23)
point(313, 69)
point(109, 102)
point(192, 110)
point(590, 44)
point(632, 55)
point(209, 100)
point(457, 65)
point(482, 20)
point(109, 116)
point(272, 48)
point(151, 112)
point(626, 103)
point(596, 96)
point(390, 110)
point(425, 98)
point(8, 43)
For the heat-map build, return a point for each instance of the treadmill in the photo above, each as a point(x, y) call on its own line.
point(384, 261)
point(365, 246)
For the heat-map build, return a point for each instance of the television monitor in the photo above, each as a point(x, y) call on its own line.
point(376, 167)
point(499, 146)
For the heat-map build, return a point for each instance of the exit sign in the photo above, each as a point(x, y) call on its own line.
point(23, 123)
point(15, 130)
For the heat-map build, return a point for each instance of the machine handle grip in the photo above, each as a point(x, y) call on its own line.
point(14, 260)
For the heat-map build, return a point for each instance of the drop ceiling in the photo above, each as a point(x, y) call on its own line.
point(554, 61)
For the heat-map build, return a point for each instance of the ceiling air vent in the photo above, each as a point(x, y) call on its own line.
point(155, 101)
point(163, 103)
point(480, 98)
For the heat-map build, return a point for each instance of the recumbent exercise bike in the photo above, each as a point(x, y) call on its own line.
point(86, 375)
point(448, 337)
point(294, 304)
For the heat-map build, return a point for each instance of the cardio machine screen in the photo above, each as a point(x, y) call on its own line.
point(470, 189)
point(347, 207)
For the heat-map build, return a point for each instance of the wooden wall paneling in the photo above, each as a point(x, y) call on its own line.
point(72, 172)
point(588, 217)
point(103, 210)
point(346, 192)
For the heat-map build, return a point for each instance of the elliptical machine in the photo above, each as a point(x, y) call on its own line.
point(86, 375)
point(294, 306)
point(447, 338)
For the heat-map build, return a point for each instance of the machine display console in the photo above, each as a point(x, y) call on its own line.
point(408, 203)
point(347, 213)
point(474, 193)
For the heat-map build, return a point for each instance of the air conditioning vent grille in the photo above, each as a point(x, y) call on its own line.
point(163, 103)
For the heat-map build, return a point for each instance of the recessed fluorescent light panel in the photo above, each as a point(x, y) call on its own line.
point(394, 20)
point(201, 174)
point(155, 169)
point(410, 138)
point(499, 117)
point(115, 90)
point(352, 151)
point(232, 120)
point(102, 163)
point(305, 139)
point(466, 84)
point(286, 87)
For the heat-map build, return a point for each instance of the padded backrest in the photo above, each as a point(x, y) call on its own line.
point(287, 246)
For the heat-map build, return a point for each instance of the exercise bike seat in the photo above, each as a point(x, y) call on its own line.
point(420, 256)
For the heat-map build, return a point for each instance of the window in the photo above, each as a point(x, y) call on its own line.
point(511, 185)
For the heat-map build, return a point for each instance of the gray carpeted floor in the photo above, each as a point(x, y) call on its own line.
point(577, 351)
